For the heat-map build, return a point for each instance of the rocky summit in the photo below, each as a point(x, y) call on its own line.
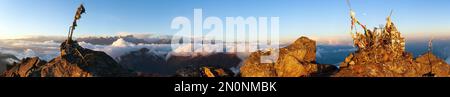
point(74, 61)
point(381, 53)
point(378, 63)
point(295, 60)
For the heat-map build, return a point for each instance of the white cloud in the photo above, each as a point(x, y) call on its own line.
point(121, 47)
point(319, 52)
point(29, 53)
point(148, 36)
point(11, 60)
point(46, 50)
point(122, 43)
point(20, 54)
point(194, 50)
point(50, 44)
point(136, 35)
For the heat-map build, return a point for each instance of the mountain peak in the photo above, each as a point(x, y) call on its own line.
point(381, 53)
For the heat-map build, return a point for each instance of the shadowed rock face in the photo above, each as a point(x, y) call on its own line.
point(145, 61)
point(295, 60)
point(218, 60)
point(218, 64)
point(75, 61)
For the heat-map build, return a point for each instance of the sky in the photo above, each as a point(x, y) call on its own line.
point(319, 19)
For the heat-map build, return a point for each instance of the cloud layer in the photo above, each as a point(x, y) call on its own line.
point(21, 49)
point(48, 49)
point(121, 47)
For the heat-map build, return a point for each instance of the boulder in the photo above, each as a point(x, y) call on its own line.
point(295, 60)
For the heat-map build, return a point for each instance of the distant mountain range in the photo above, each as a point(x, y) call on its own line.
point(128, 38)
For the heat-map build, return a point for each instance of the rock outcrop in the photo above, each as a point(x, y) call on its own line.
point(380, 64)
point(295, 60)
point(215, 72)
point(74, 61)
point(432, 64)
point(381, 53)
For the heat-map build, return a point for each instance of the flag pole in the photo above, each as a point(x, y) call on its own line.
point(80, 10)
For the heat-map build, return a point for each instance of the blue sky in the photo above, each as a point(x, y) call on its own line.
point(314, 18)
